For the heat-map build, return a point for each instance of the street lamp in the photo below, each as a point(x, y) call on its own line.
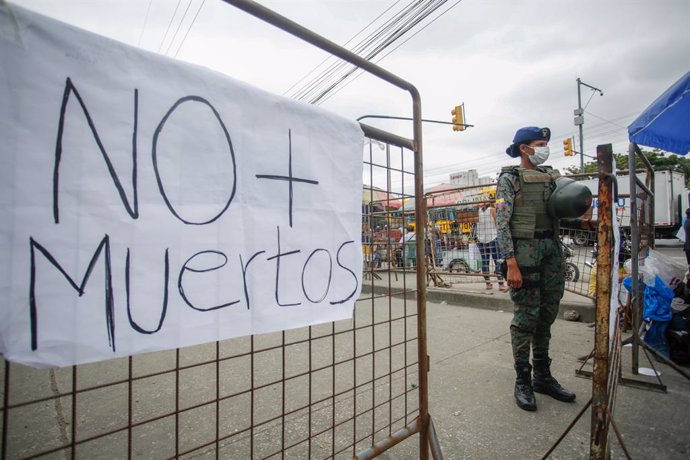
point(580, 119)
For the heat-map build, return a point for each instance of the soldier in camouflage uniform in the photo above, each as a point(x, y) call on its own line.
point(528, 239)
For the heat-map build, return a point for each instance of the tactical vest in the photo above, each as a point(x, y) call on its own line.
point(530, 212)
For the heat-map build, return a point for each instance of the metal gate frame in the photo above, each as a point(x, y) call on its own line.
point(642, 229)
point(606, 355)
point(415, 144)
point(642, 233)
point(607, 367)
point(68, 395)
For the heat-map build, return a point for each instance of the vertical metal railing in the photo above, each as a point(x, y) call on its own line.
point(606, 354)
point(600, 393)
point(642, 236)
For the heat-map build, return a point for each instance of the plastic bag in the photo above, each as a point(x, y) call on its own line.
point(655, 337)
point(680, 234)
point(475, 257)
point(658, 264)
point(657, 301)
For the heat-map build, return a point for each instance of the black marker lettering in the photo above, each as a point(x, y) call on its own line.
point(186, 268)
point(109, 300)
point(244, 275)
point(277, 257)
point(154, 155)
point(133, 323)
point(330, 275)
point(337, 258)
point(289, 178)
point(133, 211)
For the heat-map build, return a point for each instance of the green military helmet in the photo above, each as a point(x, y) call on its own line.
point(569, 200)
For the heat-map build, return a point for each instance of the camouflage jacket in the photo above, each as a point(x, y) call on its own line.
point(506, 188)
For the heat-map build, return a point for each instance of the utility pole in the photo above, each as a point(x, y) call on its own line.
point(580, 119)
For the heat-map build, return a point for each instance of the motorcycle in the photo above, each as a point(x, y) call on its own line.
point(572, 273)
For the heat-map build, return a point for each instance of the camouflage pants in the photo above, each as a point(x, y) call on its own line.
point(536, 302)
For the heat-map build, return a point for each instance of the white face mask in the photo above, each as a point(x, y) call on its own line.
point(541, 154)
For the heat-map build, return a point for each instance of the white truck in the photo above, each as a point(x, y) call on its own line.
point(670, 199)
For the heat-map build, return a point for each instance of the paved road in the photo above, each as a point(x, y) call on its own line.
point(672, 248)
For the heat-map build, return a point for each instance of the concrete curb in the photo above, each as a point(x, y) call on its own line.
point(487, 301)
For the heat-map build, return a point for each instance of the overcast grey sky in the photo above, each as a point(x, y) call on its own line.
point(512, 62)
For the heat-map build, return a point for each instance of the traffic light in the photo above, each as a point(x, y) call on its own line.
point(458, 118)
point(568, 147)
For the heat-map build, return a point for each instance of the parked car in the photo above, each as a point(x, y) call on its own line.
point(462, 260)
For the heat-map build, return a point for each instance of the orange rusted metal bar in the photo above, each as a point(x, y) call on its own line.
point(599, 427)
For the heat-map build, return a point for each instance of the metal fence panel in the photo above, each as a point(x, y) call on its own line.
point(327, 391)
point(460, 239)
point(336, 390)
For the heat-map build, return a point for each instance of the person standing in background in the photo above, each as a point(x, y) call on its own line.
point(686, 242)
point(487, 244)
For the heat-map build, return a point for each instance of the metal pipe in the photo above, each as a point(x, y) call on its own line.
point(652, 210)
point(567, 430)
point(635, 259)
point(599, 426)
point(643, 158)
point(5, 411)
point(384, 136)
point(397, 437)
point(436, 452)
point(620, 440)
point(643, 186)
point(580, 114)
point(420, 217)
point(425, 120)
point(666, 361)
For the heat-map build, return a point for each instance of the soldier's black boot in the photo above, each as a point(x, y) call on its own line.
point(524, 396)
point(545, 383)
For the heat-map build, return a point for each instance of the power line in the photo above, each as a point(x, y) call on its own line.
point(406, 26)
point(169, 25)
point(374, 39)
point(146, 20)
point(336, 75)
point(179, 24)
point(608, 121)
point(497, 156)
point(391, 51)
point(345, 44)
point(190, 27)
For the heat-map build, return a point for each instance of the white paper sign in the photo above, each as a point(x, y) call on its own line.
point(149, 204)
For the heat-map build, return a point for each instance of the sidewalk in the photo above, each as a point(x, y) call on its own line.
point(471, 400)
point(472, 404)
point(470, 292)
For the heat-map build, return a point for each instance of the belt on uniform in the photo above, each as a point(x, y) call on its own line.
point(539, 235)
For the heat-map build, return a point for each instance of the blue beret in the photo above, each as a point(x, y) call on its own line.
point(525, 136)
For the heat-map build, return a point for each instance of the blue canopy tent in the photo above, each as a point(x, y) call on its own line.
point(665, 124)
